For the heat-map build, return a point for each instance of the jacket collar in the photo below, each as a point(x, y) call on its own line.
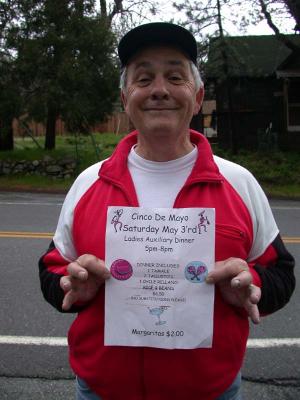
point(205, 169)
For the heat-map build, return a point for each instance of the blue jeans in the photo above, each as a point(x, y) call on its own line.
point(234, 391)
point(83, 392)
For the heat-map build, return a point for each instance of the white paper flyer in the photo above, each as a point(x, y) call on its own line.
point(157, 295)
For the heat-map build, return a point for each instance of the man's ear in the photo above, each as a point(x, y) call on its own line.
point(199, 100)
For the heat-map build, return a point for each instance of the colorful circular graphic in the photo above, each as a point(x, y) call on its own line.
point(195, 271)
point(121, 270)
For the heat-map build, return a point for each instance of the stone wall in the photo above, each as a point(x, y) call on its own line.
point(60, 169)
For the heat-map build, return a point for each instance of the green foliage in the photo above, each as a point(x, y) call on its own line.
point(10, 99)
point(89, 77)
point(277, 172)
point(58, 58)
point(62, 54)
point(76, 73)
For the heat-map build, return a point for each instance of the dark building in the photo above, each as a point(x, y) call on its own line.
point(256, 83)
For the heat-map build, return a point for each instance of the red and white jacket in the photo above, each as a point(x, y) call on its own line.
point(245, 228)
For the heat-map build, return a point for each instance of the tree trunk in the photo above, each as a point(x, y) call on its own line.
point(50, 128)
point(6, 135)
point(103, 8)
point(118, 6)
point(79, 7)
point(225, 64)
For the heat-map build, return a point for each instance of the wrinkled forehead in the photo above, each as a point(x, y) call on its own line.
point(158, 55)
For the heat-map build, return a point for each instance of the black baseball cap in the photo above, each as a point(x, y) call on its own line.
point(157, 33)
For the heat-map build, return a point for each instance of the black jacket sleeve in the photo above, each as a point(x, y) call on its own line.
point(278, 279)
point(51, 268)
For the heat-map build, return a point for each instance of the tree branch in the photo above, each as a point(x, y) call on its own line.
point(294, 9)
point(283, 38)
point(117, 8)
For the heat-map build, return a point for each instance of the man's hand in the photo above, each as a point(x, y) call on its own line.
point(86, 275)
point(233, 278)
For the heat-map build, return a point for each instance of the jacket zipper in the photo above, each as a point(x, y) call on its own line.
point(231, 231)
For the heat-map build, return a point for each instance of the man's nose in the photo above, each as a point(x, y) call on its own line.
point(159, 88)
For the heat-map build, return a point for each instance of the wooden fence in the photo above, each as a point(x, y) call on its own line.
point(116, 123)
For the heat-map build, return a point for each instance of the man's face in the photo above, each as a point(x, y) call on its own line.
point(160, 96)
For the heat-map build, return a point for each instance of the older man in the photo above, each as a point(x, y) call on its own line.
point(165, 164)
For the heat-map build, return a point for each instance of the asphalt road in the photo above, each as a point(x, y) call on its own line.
point(29, 371)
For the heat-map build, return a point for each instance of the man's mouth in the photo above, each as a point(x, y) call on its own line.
point(160, 109)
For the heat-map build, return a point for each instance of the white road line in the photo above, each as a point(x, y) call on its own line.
point(34, 340)
point(61, 341)
point(272, 342)
point(291, 208)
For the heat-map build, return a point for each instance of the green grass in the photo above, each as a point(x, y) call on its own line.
point(34, 183)
point(277, 172)
point(282, 191)
point(81, 148)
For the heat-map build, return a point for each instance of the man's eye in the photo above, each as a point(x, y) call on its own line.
point(143, 81)
point(175, 78)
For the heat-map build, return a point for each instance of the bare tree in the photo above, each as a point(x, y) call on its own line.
point(201, 17)
point(293, 8)
point(207, 21)
point(122, 15)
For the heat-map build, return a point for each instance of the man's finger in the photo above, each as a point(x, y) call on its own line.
point(65, 283)
point(226, 270)
point(255, 293)
point(253, 313)
point(76, 270)
point(251, 303)
point(93, 265)
point(69, 299)
point(242, 279)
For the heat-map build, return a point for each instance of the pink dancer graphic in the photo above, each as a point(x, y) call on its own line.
point(203, 222)
point(116, 219)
